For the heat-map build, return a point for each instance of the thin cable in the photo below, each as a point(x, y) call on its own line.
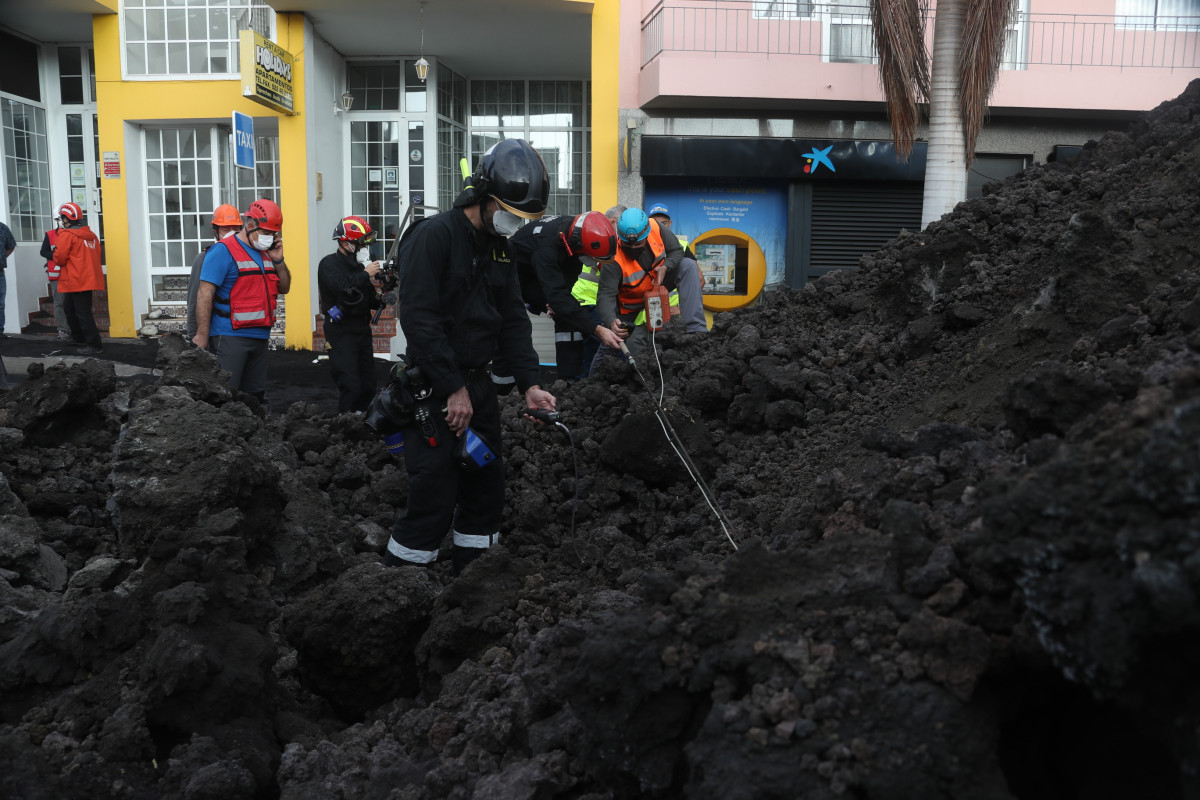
point(575, 500)
point(673, 439)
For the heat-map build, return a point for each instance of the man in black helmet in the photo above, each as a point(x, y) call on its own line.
point(459, 305)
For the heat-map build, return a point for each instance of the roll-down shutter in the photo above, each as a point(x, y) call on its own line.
point(852, 218)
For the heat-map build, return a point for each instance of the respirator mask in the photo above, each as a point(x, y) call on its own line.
point(263, 241)
point(506, 223)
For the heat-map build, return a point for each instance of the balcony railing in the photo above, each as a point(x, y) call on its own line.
point(841, 32)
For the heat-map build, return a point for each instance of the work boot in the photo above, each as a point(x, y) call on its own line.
point(91, 350)
point(465, 555)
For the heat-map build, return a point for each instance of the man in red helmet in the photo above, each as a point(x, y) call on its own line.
point(240, 280)
point(77, 252)
point(345, 280)
point(226, 221)
point(550, 254)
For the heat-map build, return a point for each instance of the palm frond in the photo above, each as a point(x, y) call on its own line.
point(899, 31)
point(984, 38)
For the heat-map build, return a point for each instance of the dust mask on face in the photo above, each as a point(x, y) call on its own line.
point(506, 223)
point(264, 241)
point(363, 255)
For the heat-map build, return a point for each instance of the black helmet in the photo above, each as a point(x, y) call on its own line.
point(514, 174)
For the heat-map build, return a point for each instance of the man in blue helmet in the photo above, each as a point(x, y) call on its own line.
point(647, 257)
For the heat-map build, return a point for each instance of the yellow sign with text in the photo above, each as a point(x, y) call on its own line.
point(266, 71)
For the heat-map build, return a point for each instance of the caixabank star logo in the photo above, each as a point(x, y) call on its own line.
point(815, 158)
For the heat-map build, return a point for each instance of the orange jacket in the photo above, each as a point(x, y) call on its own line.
point(78, 253)
point(635, 279)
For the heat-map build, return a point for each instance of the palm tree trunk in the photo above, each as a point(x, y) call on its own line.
point(946, 160)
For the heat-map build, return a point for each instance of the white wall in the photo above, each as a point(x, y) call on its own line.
point(327, 134)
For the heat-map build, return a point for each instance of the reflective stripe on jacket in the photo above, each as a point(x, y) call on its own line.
point(251, 302)
point(635, 280)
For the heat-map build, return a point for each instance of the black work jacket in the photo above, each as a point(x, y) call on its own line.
point(460, 304)
point(338, 276)
point(548, 272)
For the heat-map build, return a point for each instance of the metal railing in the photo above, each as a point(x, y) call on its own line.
point(841, 32)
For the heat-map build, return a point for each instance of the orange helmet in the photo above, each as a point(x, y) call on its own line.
point(354, 229)
point(70, 211)
point(226, 216)
point(266, 214)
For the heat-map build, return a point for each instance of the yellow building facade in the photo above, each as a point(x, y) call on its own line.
point(364, 134)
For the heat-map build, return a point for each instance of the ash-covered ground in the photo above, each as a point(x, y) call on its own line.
point(965, 480)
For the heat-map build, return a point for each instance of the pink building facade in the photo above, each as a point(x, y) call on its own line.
point(762, 123)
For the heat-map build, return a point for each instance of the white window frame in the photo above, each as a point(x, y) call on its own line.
point(236, 23)
point(43, 203)
point(833, 13)
point(1134, 15)
point(783, 9)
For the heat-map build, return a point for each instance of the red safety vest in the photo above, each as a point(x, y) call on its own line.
point(636, 281)
point(251, 302)
point(52, 269)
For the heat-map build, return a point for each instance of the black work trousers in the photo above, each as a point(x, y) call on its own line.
point(441, 496)
point(352, 362)
point(78, 308)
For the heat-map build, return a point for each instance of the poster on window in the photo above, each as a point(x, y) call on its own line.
point(755, 208)
point(78, 176)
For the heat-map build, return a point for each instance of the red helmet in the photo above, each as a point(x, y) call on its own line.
point(593, 236)
point(266, 214)
point(354, 229)
point(70, 211)
point(226, 216)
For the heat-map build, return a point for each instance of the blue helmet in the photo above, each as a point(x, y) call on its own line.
point(633, 226)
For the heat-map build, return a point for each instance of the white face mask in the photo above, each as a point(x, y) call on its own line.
point(363, 255)
point(264, 241)
point(506, 223)
point(227, 234)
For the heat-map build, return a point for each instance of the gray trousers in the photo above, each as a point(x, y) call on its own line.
point(691, 296)
point(60, 316)
point(245, 359)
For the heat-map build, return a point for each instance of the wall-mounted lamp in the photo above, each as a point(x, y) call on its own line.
point(345, 103)
point(422, 65)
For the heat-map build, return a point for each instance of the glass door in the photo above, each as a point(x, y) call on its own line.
point(387, 175)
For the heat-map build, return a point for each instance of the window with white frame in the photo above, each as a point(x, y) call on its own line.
point(263, 180)
point(782, 9)
point(850, 37)
point(551, 116)
point(1015, 38)
point(451, 133)
point(27, 168)
point(1159, 15)
point(181, 190)
point(188, 37)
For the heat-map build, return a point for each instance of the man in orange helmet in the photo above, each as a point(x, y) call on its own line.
point(225, 222)
point(240, 280)
point(345, 280)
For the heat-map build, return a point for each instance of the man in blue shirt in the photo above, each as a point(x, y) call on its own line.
point(7, 245)
point(240, 280)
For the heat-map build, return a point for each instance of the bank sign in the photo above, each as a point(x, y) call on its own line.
point(266, 71)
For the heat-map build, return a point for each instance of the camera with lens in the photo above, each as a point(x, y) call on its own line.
point(389, 276)
point(394, 406)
